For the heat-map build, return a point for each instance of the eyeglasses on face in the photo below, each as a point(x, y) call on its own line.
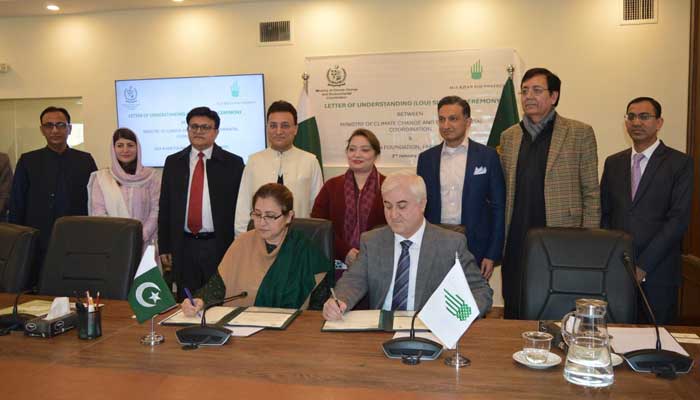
point(200, 128)
point(642, 117)
point(535, 90)
point(267, 218)
point(61, 126)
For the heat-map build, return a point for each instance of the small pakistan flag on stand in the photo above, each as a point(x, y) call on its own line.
point(451, 308)
point(149, 294)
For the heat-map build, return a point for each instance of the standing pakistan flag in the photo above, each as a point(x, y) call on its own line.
point(149, 294)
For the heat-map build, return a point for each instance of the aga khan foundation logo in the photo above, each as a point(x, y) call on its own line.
point(456, 306)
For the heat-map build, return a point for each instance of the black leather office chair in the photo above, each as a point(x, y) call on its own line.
point(92, 253)
point(560, 265)
point(17, 247)
point(320, 232)
point(454, 228)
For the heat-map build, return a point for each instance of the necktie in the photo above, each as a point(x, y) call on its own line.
point(400, 297)
point(636, 172)
point(194, 213)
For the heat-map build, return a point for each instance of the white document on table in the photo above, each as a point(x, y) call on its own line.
point(356, 321)
point(628, 339)
point(260, 319)
point(402, 321)
point(243, 331)
point(214, 315)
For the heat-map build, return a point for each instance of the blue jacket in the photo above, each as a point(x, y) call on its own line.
point(483, 198)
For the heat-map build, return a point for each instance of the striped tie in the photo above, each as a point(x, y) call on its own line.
point(400, 298)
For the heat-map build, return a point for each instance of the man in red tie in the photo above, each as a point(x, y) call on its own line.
point(197, 203)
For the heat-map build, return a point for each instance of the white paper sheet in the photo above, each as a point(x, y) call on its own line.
point(629, 339)
point(402, 321)
point(355, 321)
point(214, 314)
point(244, 331)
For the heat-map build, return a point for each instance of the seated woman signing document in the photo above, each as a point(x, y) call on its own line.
point(278, 267)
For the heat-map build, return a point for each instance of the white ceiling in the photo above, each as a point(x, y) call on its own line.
point(23, 8)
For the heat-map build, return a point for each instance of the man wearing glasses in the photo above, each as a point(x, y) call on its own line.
point(50, 182)
point(646, 191)
point(551, 170)
point(281, 163)
point(197, 203)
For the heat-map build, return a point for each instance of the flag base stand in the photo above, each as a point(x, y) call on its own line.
point(457, 360)
point(153, 338)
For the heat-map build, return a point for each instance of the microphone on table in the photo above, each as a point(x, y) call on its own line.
point(664, 363)
point(16, 320)
point(192, 337)
point(412, 349)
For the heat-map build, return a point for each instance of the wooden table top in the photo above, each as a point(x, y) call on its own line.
point(299, 363)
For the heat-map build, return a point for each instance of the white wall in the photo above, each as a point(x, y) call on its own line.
point(602, 64)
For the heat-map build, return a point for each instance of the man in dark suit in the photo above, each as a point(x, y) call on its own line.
point(198, 203)
point(50, 182)
point(646, 191)
point(465, 184)
point(402, 264)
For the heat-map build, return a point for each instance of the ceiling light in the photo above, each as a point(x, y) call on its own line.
point(53, 7)
point(178, 1)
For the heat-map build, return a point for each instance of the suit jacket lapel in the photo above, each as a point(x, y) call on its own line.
point(436, 178)
point(657, 157)
point(472, 163)
point(385, 268)
point(626, 175)
point(558, 137)
point(427, 254)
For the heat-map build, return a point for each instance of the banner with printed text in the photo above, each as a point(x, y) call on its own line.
point(395, 96)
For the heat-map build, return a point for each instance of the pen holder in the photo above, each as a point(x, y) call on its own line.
point(89, 323)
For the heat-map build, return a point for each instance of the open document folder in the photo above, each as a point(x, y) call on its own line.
point(374, 320)
point(263, 317)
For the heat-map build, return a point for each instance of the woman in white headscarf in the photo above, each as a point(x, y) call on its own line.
point(127, 189)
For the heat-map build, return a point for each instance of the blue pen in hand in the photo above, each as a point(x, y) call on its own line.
point(189, 296)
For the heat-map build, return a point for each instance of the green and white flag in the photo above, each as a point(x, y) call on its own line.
point(307, 137)
point(451, 308)
point(506, 114)
point(149, 294)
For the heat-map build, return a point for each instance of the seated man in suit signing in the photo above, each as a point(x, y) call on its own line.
point(402, 264)
point(277, 266)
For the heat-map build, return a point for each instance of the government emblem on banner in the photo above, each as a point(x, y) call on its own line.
point(336, 76)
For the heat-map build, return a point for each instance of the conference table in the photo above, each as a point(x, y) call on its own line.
point(300, 362)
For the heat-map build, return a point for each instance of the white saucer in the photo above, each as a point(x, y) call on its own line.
point(615, 359)
point(552, 360)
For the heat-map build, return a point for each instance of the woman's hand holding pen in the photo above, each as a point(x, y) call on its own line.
point(191, 310)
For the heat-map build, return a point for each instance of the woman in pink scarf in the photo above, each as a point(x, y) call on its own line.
point(127, 189)
point(353, 201)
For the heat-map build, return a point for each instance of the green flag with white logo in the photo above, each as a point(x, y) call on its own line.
point(506, 114)
point(451, 308)
point(149, 294)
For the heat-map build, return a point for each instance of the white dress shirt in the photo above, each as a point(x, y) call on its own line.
point(453, 166)
point(647, 155)
point(414, 254)
point(207, 220)
point(300, 171)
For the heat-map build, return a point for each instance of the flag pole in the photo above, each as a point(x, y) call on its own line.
point(457, 360)
point(305, 77)
point(510, 70)
point(153, 338)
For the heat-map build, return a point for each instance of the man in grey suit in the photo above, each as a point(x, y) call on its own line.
point(402, 264)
